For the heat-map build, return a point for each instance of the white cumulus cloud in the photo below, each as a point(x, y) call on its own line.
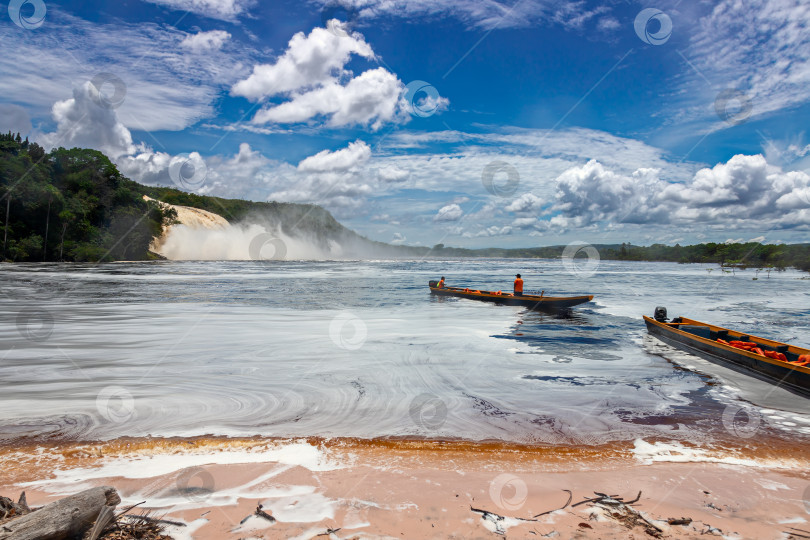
point(205, 41)
point(528, 202)
point(310, 83)
point(84, 122)
point(309, 61)
point(743, 189)
point(370, 99)
point(356, 153)
point(451, 212)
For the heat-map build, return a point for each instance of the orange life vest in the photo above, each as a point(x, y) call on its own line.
point(518, 285)
point(803, 360)
point(775, 355)
point(441, 284)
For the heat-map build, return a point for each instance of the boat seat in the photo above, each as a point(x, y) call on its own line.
point(699, 331)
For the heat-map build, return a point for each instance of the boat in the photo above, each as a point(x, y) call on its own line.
point(540, 303)
point(781, 364)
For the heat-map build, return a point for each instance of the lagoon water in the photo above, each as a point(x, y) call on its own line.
point(361, 349)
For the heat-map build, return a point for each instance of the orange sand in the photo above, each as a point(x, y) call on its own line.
point(423, 489)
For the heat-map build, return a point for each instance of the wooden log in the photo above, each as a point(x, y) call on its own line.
point(62, 519)
point(9, 509)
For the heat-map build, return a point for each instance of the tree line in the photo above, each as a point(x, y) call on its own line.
point(71, 205)
point(745, 255)
point(74, 205)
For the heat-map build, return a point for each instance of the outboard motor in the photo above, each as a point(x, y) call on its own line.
point(433, 283)
point(660, 314)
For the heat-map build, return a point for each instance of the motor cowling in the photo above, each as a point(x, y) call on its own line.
point(433, 284)
point(660, 314)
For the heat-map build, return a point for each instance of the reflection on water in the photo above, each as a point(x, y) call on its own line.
point(362, 349)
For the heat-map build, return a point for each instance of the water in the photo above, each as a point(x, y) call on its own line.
point(361, 349)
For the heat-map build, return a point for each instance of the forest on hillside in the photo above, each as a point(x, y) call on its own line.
point(71, 205)
point(745, 255)
point(74, 205)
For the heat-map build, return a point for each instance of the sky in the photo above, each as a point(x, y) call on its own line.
point(474, 123)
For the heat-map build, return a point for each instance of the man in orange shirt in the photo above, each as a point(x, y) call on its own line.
point(441, 283)
point(518, 285)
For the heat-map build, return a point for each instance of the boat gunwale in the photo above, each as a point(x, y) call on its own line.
point(743, 352)
point(528, 297)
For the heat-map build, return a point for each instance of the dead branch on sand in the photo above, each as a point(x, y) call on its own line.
point(563, 507)
point(89, 515)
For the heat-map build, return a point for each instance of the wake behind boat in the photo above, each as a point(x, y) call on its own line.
point(773, 361)
point(540, 303)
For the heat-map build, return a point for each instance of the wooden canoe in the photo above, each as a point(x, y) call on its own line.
point(700, 338)
point(540, 303)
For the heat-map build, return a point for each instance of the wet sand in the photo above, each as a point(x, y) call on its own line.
point(427, 489)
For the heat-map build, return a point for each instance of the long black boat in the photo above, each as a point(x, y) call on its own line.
point(539, 303)
point(713, 343)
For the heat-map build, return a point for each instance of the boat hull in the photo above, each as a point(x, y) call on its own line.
point(793, 378)
point(539, 303)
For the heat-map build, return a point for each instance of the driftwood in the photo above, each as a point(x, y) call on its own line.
point(63, 519)
point(261, 513)
point(496, 519)
point(329, 532)
point(679, 521)
point(563, 507)
point(105, 518)
point(10, 509)
point(622, 512)
point(150, 519)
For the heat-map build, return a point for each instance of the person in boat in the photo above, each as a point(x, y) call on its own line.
point(518, 285)
point(441, 283)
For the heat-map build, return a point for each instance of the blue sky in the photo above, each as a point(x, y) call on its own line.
point(470, 123)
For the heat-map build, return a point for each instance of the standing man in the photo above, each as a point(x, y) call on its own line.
point(518, 285)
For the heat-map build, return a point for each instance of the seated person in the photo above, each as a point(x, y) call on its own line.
point(518, 285)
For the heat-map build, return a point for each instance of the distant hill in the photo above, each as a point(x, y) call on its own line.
point(74, 205)
point(751, 254)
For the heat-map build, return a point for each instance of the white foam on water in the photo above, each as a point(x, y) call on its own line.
point(293, 454)
point(793, 520)
point(301, 507)
point(676, 452)
point(184, 533)
point(771, 485)
point(245, 348)
point(174, 476)
point(501, 524)
point(253, 523)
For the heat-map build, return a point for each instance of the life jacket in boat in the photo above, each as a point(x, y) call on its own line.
point(802, 361)
point(776, 355)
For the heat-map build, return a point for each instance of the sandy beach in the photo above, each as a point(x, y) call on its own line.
point(349, 488)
